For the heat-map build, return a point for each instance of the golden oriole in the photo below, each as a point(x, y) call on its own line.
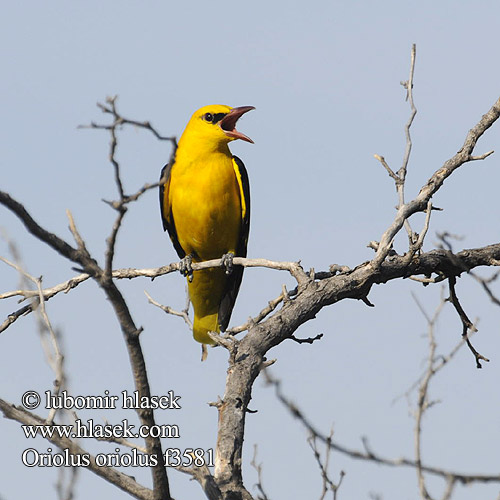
point(205, 207)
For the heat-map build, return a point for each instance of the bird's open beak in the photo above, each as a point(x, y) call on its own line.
point(228, 123)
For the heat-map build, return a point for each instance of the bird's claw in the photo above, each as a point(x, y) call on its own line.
point(227, 262)
point(186, 267)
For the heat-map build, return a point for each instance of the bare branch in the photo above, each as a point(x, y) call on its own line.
point(400, 177)
point(419, 203)
point(422, 401)
point(258, 468)
point(66, 491)
point(129, 273)
point(271, 306)
point(52, 353)
point(309, 340)
point(450, 486)
point(368, 454)
point(168, 310)
point(328, 484)
point(466, 322)
point(206, 480)
point(485, 284)
point(122, 312)
point(120, 120)
point(437, 261)
point(391, 173)
point(481, 157)
point(409, 96)
point(121, 205)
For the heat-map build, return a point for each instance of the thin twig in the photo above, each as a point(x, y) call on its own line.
point(368, 454)
point(422, 400)
point(466, 322)
point(168, 310)
point(53, 354)
point(328, 484)
point(126, 121)
point(258, 468)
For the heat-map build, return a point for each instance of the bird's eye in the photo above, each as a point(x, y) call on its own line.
point(209, 117)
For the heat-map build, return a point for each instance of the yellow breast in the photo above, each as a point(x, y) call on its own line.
point(206, 206)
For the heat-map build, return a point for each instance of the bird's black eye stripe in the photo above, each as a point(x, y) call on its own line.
point(218, 117)
point(209, 117)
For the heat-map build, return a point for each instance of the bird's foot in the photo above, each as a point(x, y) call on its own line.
point(186, 267)
point(227, 262)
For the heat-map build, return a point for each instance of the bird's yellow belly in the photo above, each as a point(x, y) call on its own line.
point(207, 212)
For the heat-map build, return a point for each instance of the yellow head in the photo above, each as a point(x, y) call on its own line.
point(213, 127)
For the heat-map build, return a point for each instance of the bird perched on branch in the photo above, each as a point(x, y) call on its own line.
point(205, 207)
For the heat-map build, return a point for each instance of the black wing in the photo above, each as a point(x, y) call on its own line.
point(167, 216)
point(234, 279)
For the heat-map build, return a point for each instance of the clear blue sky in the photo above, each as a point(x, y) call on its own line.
point(325, 80)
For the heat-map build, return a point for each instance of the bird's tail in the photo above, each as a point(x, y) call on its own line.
point(206, 291)
point(204, 324)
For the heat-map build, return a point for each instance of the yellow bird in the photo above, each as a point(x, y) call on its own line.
point(205, 207)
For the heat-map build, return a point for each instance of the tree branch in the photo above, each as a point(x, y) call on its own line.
point(129, 330)
point(435, 182)
point(368, 454)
